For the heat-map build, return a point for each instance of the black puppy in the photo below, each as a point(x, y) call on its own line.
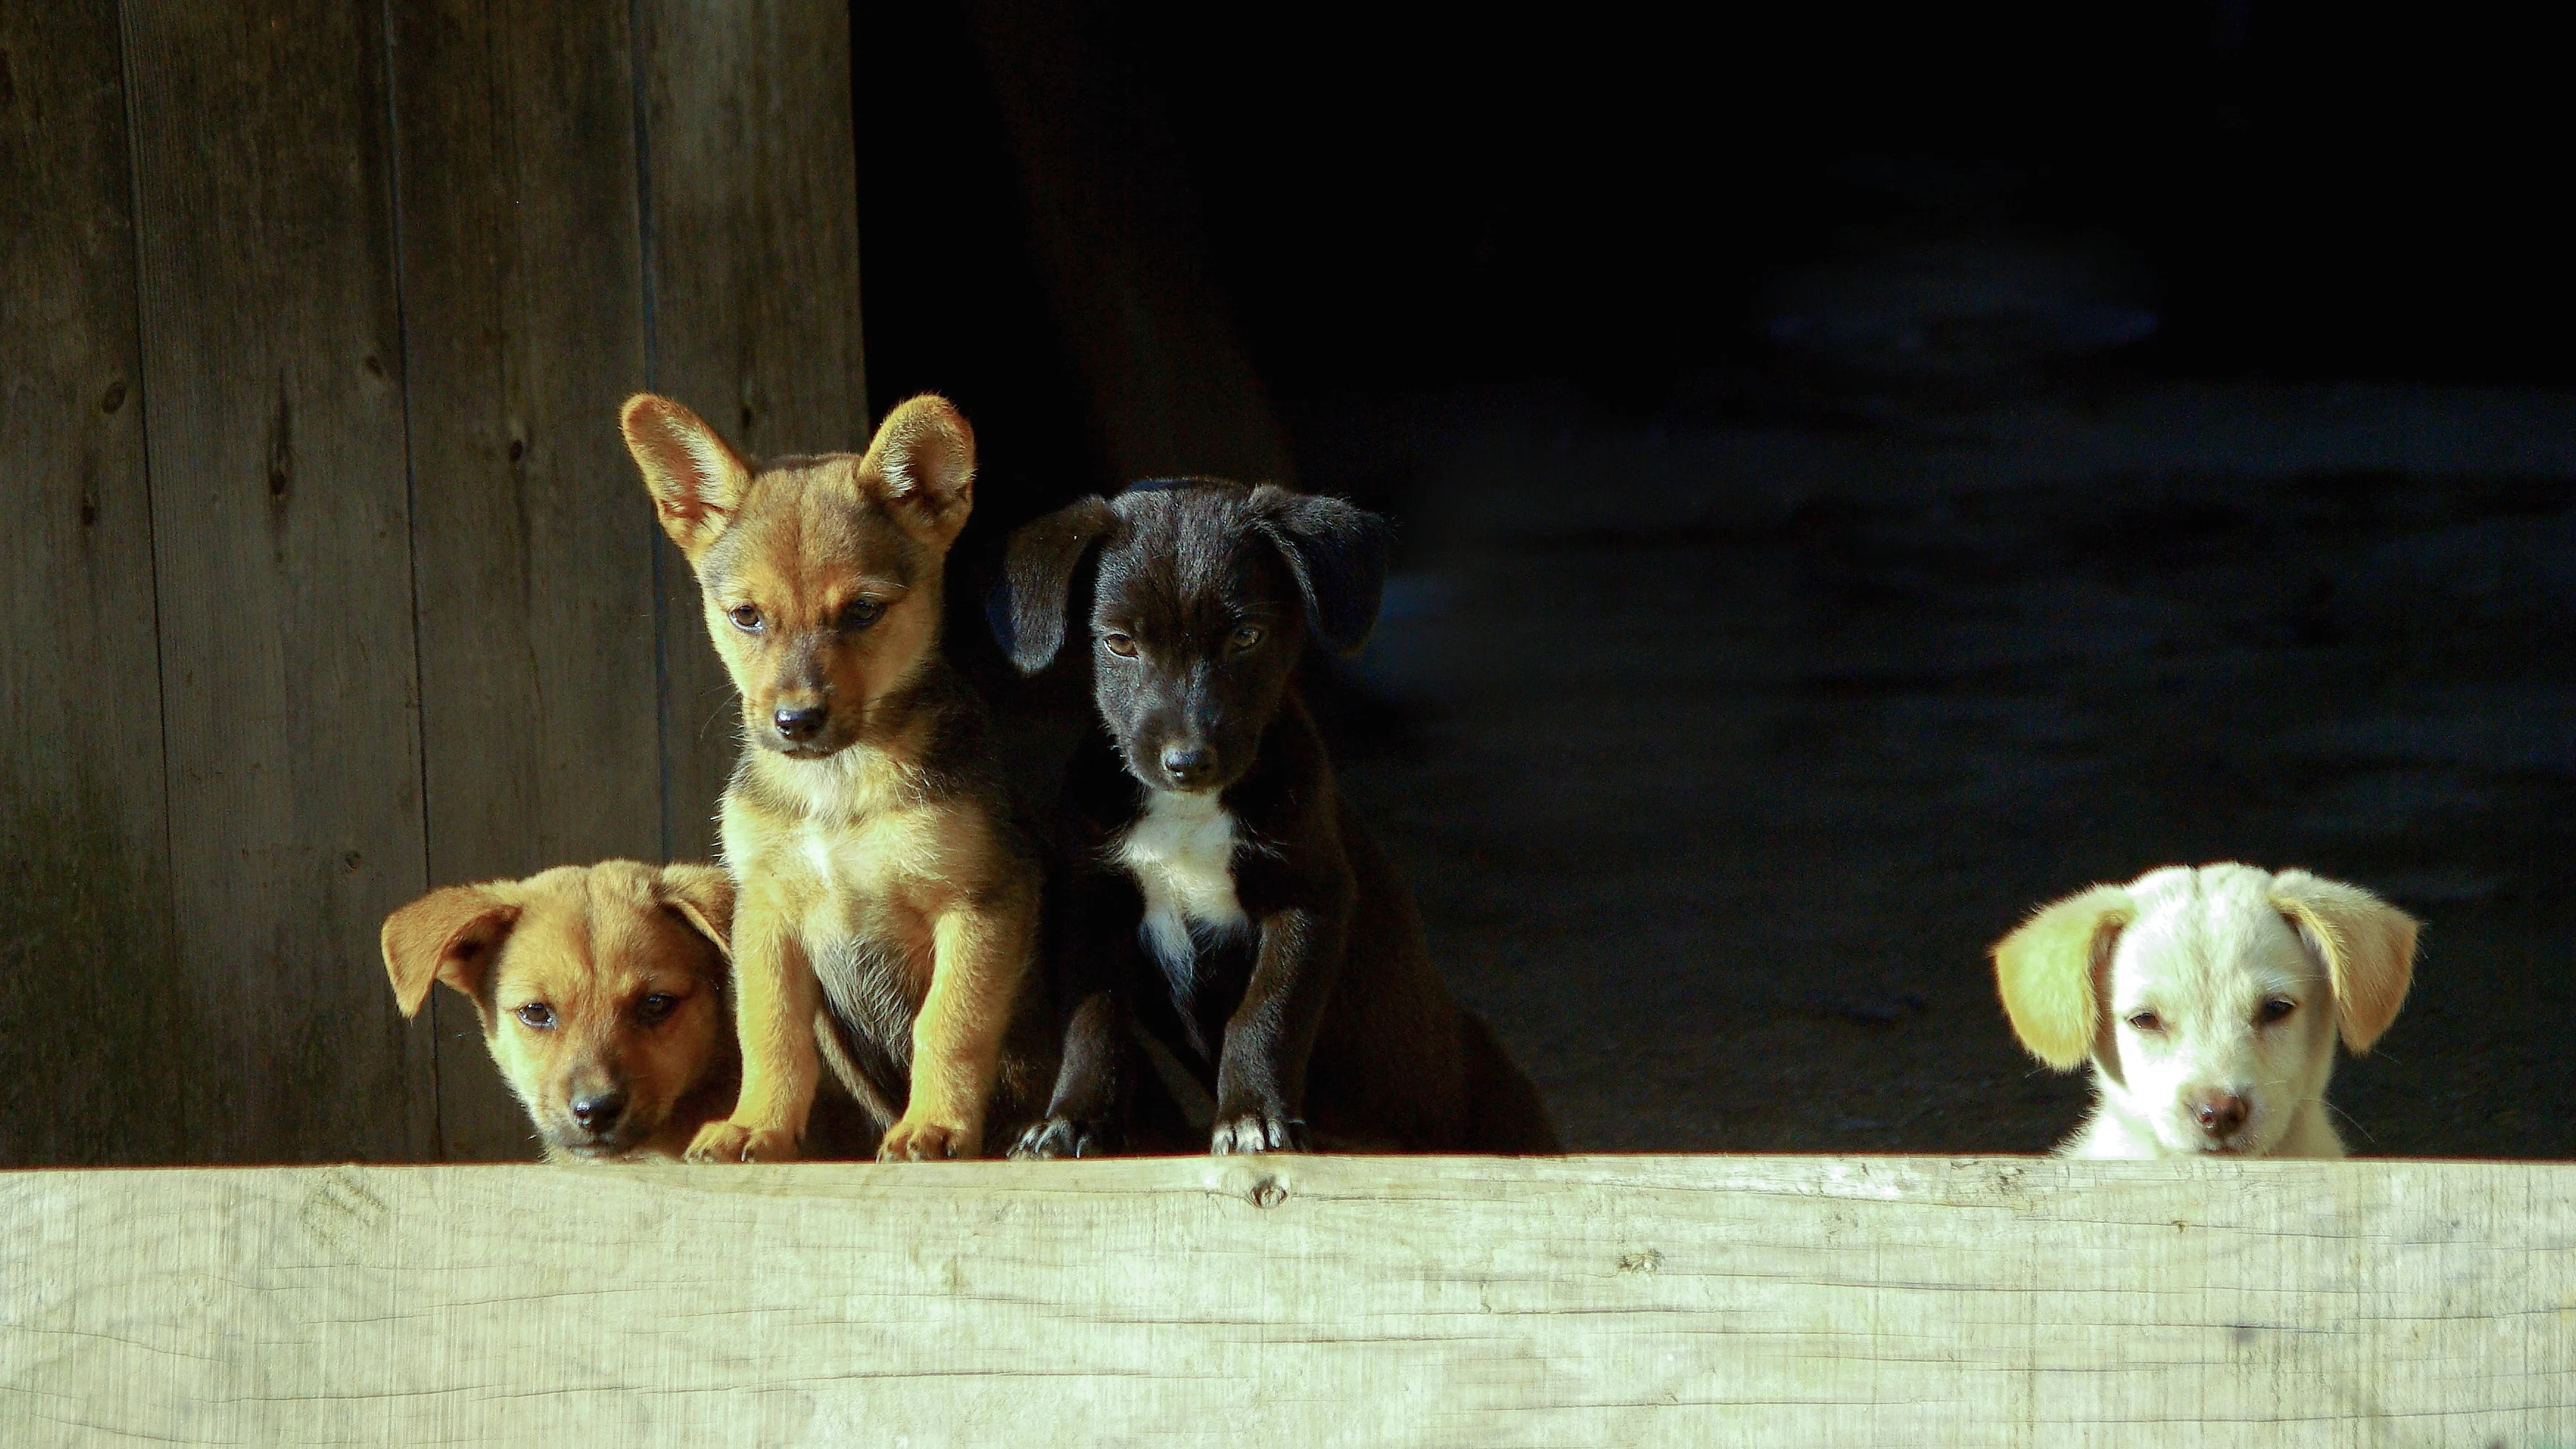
point(1220, 893)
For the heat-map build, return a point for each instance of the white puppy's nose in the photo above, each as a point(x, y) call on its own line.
point(2218, 1113)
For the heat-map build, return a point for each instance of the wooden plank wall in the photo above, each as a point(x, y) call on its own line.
point(330, 578)
point(1625, 1301)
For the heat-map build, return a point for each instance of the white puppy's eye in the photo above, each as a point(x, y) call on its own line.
point(2146, 1021)
point(2276, 1009)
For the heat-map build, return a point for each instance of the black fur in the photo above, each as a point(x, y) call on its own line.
point(1324, 1007)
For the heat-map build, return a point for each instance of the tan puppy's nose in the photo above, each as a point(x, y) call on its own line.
point(799, 722)
point(2219, 1113)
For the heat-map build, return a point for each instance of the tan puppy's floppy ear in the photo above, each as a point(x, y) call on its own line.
point(2046, 972)
point(924, 457)
point(1027, 607)
point(703, 895)
point(696, 479)
point(2367, 944)
point(449, 935)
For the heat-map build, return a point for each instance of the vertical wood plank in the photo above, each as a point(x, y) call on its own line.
point(752, 266)
point(522, 293)
point(272, 353)
point(88, 995)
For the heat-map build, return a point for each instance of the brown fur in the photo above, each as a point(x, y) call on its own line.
point(888, 902)
point(594, 983)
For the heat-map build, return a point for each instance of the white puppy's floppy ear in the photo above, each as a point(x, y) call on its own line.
point(2047, 969)
point(2367, 944)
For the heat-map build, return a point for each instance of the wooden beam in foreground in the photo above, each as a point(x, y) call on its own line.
point(1298, 1301)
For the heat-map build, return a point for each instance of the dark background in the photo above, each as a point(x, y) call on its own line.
point(1862, 471)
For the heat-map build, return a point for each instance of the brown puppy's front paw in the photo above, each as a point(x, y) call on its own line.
point(925, 1142)
point(1257, 1131)
point(1065, 1137)
point(729, 1142)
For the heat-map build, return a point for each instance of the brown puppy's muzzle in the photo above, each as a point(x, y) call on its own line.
point(600, 1116)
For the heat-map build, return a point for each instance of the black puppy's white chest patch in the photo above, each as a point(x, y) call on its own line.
point(1181, 853)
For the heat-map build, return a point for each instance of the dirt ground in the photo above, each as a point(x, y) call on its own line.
point(1719, 744)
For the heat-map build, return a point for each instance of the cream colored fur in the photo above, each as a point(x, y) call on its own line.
point(2197, 991)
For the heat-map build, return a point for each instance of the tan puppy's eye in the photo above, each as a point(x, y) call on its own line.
point(2146, 1021)
point(2276, 1009)
point(653, 1010)
point(1244, 638)
point(1119, 644)
point(537, 1015)
point(746, 617)
point(861, 613)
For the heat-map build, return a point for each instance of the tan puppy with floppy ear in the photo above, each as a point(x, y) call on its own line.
point(2208, 1001)
point(601, 990)
point(888, 905)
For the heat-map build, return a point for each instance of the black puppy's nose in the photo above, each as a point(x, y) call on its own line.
point(1185, 765)
point(799, 724)
point(2219, 1113)
point(600, 1110)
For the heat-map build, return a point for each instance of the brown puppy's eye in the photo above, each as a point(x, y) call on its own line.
point(538, 1015)
point(1119, 644)
point(745, 617)
point(1244, 638)
point(861, 613)
point(2276, 1009)
point(653, 1010)
point(2146, 1021)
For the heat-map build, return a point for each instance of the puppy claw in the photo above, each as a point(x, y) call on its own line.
point(1257, 1132)
point(730, 1142)
point(1063, 1137)
point(924, 1142)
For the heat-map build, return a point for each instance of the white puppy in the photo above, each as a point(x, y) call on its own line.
point(2208, 1001)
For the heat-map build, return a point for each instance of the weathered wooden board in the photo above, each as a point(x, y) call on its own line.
point(87, 974)
point(523, 297)
point(752, 275)
point(272, 365)
point(1616, 1301)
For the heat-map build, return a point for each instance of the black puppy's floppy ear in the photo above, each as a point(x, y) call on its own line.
point(1027, 611)
point(1337, 550)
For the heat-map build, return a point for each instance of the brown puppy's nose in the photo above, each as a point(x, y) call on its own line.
point(599, 1111)
point(2219, 1113)
point(1186, 766)
point(799, 723)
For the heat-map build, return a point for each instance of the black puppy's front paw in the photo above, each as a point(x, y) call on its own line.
point(1256, 1130)
point(1065, 1137)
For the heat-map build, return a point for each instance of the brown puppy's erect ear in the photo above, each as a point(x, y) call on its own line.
point(2367, 944)
point(703, 895)
point(2047, 969)
point(924, 455)
point(451, 935)
point(1337, 550)
point(1027, 609)
point(696, 479)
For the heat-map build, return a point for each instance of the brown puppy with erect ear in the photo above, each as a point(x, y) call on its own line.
point(888, 902)
point(601, 990)
point(2208, 1001)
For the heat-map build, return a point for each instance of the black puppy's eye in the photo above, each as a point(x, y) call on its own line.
point(2146, 1021)
point(656, 1008)
point(746, 617)
point(861, 613)
point(1244, 638)
point(538, 1015)
point(1119, 644)
point(2276, 1009)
